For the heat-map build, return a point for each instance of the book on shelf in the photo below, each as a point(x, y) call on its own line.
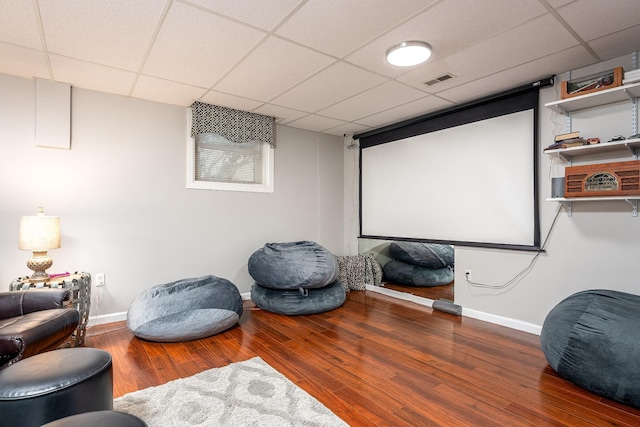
point(567, 143)
point(570, 135)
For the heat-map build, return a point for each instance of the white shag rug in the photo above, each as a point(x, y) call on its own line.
point(249, 393)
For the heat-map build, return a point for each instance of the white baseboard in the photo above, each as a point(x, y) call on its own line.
point(107, 318)
point(474, 314)
point(246, 296)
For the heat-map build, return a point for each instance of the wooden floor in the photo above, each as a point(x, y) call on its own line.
point(378, 361)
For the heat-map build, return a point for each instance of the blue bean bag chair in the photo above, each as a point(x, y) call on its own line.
point(186, 309)
point(293, 265)
point(299, 301)
point(592, 338)
point(414, 275)
point(429, 255)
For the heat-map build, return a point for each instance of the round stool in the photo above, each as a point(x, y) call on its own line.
point(54, 385)
point(99, 418)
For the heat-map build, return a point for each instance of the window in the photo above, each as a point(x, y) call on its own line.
point(216, 163)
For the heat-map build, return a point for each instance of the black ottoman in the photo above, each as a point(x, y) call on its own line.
point(99, 419)
point(54, 385)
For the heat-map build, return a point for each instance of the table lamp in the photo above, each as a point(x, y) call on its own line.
point(39, 234)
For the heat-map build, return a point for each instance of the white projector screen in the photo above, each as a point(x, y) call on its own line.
point(471, 184)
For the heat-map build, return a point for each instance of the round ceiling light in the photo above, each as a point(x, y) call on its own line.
point(409, 53)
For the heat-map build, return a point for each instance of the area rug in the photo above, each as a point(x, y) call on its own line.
point(249, 393)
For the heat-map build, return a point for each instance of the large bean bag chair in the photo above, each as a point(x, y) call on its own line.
point(186, 309)
point(299, 301)
point(293, 265)
point(414, 275)
point(592, 339)
point(429, 255)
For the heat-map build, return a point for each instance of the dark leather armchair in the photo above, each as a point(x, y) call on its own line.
point(33, 322)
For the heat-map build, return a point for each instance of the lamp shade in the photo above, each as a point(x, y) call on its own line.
point(409, 53)
point(40, 232)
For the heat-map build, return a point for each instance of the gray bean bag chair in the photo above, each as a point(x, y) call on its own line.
point(293, 265)
point(429, 255)
point(414, 275)
point(185, 310)
point(592, 339)
point(299, 301)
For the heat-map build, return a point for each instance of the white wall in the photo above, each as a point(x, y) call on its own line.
point(120, 193)
point(597, 247)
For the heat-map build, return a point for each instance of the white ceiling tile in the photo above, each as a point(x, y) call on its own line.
point(514, 77)
point(91, 76)
point(380, 98)
point(330, 25)
point(198, 48)
point(165, 91)
point(282, 115)
point(315, 123)
point(230, 101)
point(328, 87)
point(347, 129)
point(115, 33)
point(412, 109)
point(261, 75)
point(614, 46)
point(532, 40)
point(18, 24)
point(21, 61)
point(474, 21)
point(262, 14)
point(595, 18)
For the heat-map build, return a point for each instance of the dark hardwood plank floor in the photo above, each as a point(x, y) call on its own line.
point(381, 361)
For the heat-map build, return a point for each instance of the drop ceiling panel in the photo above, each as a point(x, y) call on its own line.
point(316, 123)
point(347, 129)
point(198, 48)
point(91, 76)
point(282, 115)
point(340, 26)
point(18, 24)
point(596, 18)
point(514, 77)
point(474, 22)
point(261, 75)
point(159, 90)
point(383, 97)
point(262, 14)
point(328, 87)
point(617, 44)
point(20, 61)
point(231, 101)
point(412, 109)
point(115, 33)
point(529, 41)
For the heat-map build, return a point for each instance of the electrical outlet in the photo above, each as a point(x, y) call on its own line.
point(467, 274)
point(100, 279)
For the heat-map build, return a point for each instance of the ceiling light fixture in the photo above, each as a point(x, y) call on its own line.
point(409, 53)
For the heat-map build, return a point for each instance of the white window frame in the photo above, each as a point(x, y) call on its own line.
point(267, 169)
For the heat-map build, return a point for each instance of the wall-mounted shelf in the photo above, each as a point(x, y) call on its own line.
point(567, 202)
point(627, 92)
point(604, 147)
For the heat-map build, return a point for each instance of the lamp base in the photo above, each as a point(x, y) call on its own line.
point(39, 263)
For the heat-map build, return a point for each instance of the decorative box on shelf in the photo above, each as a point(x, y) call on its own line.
point(592, 83)
point(79, 283)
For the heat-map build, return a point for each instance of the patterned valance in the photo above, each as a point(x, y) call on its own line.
point(235, 125)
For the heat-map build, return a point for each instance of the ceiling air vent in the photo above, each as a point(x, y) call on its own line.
point(439, 79)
